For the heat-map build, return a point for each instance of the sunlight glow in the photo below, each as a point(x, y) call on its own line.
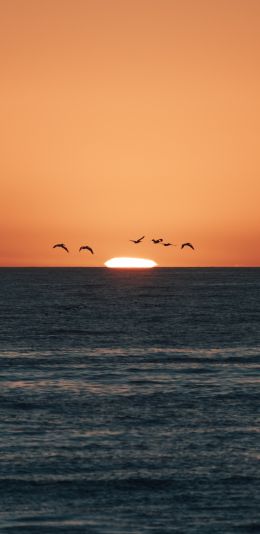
point(130, 263)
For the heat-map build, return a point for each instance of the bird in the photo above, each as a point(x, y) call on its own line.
point(61, 245)
point(86, 247)
point(187, 245)
point(137, 240)
point(168, 245)
point(155, 241)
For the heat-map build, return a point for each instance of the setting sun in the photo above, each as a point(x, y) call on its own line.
point(132, 263)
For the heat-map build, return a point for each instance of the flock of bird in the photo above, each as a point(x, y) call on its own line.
point(135, 241)
point(84, 247)
point(160, 242)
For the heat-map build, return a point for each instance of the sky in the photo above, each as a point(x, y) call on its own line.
point(124, 118)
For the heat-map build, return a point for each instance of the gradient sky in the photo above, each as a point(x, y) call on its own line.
point(123, 118)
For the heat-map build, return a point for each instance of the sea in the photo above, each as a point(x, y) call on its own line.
point(129, 400)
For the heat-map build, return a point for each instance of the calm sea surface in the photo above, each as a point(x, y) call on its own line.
point(129, 401)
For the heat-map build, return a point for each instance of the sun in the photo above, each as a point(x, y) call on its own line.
point(130, 263)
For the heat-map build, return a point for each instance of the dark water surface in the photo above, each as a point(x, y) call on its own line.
point(129, 401)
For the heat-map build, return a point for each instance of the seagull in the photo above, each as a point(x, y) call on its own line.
point(168, 245)
point(87, 248)
point(61, 245)
point(137, 240)
point(187, 245)
point(155, 241)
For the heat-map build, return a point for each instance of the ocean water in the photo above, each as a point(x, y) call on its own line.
point(129, 401)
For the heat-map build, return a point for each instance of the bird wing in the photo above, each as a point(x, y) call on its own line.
point(65, 248)
point(86, 247)
point(60, 245)
point(140, 238)
point(187, 245)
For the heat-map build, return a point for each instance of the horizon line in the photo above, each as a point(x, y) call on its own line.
point(104, 267)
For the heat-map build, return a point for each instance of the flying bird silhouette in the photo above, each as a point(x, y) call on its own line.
point(155, 241)
point(137, 240)
point(61, 245)
point(86, 247)
point(187, 245)
point(168, 245)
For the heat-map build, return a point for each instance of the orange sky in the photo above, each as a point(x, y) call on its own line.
point(123, 118)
